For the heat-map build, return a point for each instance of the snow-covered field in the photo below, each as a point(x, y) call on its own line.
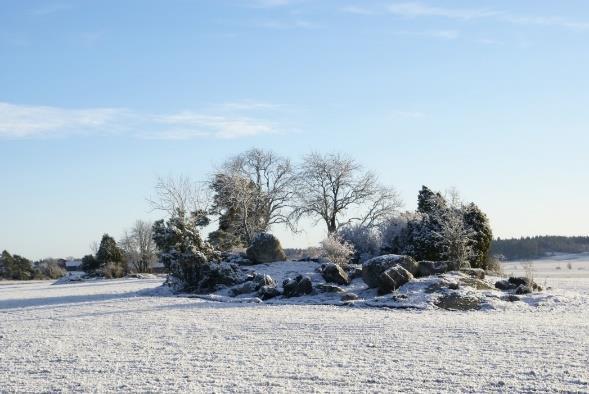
point(109, 336)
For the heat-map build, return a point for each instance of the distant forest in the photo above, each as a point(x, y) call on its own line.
point(539, 246)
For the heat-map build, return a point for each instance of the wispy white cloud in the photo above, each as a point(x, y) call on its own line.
point(188, 125)
point(287, 24)
point(22, 121)
point(419, 9)
point(547, 21)
point(270, 3)
point(441, 34)
point(416, 9)
point(249, 105)
point(358, 10)
point(25, 121)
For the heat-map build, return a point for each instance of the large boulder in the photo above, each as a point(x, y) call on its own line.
point(505, 285)
point(515, 282)
point(215, 275)
point(347, 297)
point(297, 287)
point(372, 268)
point(393, 278)
point(476, 283)
point(267, 292)
point(428, 268)
point(333, 273)
point(265, 248)
point(245, 288)
point(523, 289)
point(522, 280)
point(354, 271)
point(253, 284)
point(458, 302)
point(478, 273)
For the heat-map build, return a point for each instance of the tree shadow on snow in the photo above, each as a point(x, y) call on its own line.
point(62, 300)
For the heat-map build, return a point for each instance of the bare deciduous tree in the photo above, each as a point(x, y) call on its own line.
point(139, 247)
point(174, 193)
point(334, 188)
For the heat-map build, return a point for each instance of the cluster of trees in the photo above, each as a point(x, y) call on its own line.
point(441, 229)
point(539, 246)
point(136, 251)
point(16, 267)
point(257, 189)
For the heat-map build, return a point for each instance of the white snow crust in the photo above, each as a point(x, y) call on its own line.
point(132, 335)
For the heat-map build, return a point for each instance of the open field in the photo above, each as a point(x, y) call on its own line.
point(112, 336)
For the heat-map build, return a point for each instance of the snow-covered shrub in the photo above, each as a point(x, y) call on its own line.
point(49, 269)
point(183, 252)
point(337, 250)
point(112, 270)
point(366, 241)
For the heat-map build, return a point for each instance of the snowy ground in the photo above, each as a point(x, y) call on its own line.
point(109, 336)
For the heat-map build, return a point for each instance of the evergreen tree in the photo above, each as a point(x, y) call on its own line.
point(89, 263)
point(108, 252)
point(15, 267)
point(482, 235)
point(430, 203)
point(5, 261)
point(182, 250)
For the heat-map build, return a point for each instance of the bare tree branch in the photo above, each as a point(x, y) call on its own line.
point(175, 193)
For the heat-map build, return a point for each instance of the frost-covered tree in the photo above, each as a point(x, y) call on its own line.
point(252, 191)
point(333, 188)
point(235, 201)
point(182, 250)
point(455, 238)
point(138, 246)
point(441, 230)
point(430, 203)
point(396, 232)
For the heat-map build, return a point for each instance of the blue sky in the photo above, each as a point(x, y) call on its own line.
point(99, 98)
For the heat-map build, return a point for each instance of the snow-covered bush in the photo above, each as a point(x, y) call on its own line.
point(112, 270)
point(366, 241)
point(50, 269)
point(337, 250)
point(182, 250)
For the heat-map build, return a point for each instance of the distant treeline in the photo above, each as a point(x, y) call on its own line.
point(539, 246)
